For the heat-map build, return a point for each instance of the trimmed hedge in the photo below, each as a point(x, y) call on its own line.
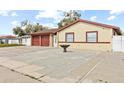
point(10, 45)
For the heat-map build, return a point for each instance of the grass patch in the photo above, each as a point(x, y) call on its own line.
point(10, 45)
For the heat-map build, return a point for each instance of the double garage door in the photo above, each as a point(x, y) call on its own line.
point(42, 40)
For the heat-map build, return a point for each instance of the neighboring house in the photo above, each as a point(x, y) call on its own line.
point(9, 39)
point(81, 34)
point(26, 40)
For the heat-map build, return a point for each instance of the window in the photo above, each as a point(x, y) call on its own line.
point(69, 37)
point(91, 36)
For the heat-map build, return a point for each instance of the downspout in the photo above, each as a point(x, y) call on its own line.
point(57, 34)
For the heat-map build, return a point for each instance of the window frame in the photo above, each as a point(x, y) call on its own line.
point(66, 37)
point(92, 32)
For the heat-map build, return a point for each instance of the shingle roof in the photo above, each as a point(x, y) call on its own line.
point(91, 22)
point(47, 31)
point(8, 36)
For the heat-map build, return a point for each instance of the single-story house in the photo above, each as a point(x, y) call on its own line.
point(81, 34)
point(9, 39)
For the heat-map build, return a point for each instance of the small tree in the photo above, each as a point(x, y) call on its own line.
point(18, 31)
point(26, 28)
point(37, 27)
point(69, 17)
point(72, 14)
point(24, 23)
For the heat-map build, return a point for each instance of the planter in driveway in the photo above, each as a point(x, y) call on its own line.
point(64, 47)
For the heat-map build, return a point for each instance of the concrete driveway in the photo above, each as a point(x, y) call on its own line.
point(8, 76)
point(52, 65)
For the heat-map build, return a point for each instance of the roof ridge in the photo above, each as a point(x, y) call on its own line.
point(98, 23)
point(91, 22)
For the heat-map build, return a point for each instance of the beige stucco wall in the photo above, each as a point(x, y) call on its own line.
point(89, 46)
point(80, 29)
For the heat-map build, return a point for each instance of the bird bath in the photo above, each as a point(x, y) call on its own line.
point(64, 47)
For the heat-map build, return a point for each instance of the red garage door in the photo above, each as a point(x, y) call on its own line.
point(42, 40)
point(35, 40)
point(45, 40)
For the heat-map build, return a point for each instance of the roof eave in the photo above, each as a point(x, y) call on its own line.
point(90, 22)
point(45, 33)
point(118, 31)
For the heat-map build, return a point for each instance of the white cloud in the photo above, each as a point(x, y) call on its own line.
point(49, 25)
point(114, 14)
point(93, 18)
point(56, 15)
point(111, 18)
point(4, 12)
point(14, 14)
point(34, 22)
point(117, 12)
point(14, 23)
point(7, 13)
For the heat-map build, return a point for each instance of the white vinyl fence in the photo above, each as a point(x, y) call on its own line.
point(13, 41)
point(26, 41)
point(118, 43)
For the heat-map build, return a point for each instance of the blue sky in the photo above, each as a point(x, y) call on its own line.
point(12, 18)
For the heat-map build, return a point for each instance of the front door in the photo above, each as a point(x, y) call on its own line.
point(55, 41)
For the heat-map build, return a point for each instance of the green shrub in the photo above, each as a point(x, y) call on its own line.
point(2, 42)
point(10, 45)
